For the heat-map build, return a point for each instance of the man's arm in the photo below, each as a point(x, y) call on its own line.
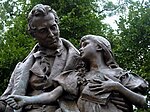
point(2, 106)
point(16, 101)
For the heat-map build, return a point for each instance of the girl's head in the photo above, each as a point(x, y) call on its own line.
point(93, 44)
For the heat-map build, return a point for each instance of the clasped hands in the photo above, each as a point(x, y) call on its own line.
point(16, 101)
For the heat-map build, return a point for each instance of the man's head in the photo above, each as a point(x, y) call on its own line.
point(43, 25)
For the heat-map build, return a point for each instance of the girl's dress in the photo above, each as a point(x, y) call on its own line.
point(76, 89)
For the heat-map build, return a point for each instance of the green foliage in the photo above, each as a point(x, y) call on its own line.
point(79, 22)
point(15, 44)
point(132, 43)
point(134, 39)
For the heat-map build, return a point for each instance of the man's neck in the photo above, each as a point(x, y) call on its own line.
point(52, 51)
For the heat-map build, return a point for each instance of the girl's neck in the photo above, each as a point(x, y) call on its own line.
point(97, 64)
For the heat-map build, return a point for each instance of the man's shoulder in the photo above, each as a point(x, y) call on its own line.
point(34, 49)
point(73, 57)
point(69, 45)
point(66, 42)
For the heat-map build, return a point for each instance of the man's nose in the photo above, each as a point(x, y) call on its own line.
point(50, 33)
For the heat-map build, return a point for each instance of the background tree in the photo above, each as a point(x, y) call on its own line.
point(132, 42)
point(14, 43)
point(133, 39)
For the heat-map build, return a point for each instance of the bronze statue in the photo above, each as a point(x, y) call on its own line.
point(50, 56)
point(99, 85)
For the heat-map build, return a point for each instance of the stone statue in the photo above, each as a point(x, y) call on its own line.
point(50, 56)
point(97, 85)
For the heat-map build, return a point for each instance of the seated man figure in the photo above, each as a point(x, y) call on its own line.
point(50, 56)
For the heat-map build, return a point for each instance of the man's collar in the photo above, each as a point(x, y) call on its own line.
point(49, 52)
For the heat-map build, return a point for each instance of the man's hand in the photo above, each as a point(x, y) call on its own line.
point(16, 101)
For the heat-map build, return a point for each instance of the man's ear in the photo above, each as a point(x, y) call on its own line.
point(98, 48)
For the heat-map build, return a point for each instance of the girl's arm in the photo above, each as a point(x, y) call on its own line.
point(135, 98)
point(110, 85)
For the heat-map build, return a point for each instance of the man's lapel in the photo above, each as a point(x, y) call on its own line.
point(58, 65)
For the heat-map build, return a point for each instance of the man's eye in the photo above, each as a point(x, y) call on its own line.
point(53, 27)
point(43, 30)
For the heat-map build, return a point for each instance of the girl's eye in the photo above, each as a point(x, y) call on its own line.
point(84, 44)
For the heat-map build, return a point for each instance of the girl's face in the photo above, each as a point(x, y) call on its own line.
point(88, 50)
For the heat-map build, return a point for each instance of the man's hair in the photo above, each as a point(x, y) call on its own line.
point(37, 11)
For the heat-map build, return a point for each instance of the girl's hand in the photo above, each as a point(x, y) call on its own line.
point(104, 86)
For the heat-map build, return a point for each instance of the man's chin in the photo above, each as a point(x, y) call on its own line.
point(53, 46)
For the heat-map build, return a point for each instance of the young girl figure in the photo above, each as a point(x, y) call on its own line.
point(99, 86)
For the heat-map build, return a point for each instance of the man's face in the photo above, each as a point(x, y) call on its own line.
point(88, 50)
point(47, 31)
